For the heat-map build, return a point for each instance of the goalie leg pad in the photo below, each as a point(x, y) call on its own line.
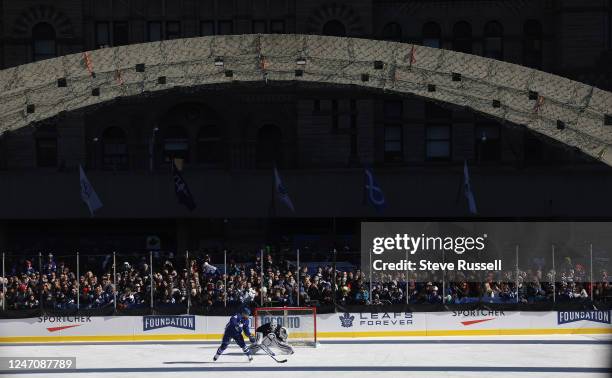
point(271, 341)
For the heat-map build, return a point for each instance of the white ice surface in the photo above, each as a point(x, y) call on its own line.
point(407, 357)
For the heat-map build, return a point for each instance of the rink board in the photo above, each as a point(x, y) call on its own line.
point(338, 325)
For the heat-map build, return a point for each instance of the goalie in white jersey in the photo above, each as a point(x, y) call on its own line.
point(271, 335)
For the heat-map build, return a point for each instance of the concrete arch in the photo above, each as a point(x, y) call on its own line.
point(573, 113)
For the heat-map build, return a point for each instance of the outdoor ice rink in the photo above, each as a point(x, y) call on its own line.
point(498, 356)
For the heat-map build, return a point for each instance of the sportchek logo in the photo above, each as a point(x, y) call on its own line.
point(55, 329)
point(486, 315)
point(64, 319)
point(599, 316)
point(175, 321)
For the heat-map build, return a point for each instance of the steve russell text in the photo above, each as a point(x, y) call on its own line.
point(426, 265)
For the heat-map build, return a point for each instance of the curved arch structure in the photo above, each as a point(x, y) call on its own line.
point(571, 112)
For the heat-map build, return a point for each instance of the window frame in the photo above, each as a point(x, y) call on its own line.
point(210, 23)
point(37, 56)
point(220, 23)
point(97, 33)
point(40, 157)
point(116, 42)
point(176, 34)
point(278, 22)
point(161, 31)
point(429, 140)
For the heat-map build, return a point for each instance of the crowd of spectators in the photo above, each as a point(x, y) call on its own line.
point(198, 281)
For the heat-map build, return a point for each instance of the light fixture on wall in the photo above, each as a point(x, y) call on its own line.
point(300, 61)
point(219, 62)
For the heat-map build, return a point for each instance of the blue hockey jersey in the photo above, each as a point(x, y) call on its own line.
point(236, 326)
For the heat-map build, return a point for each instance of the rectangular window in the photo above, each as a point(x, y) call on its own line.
point(393, 142)
point(259, 27)
point(335, 116)
point(102, 34)
point(207, 28)
point(46, 152)
point(121, 34)
point(154, 31)
point(438, 142)
point(277, 27)
point(226, 27)
point(115, 156)
point(173, 30)
point(392, 115)
point(487, 143)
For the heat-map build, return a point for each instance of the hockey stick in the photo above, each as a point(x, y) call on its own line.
point(271, 354)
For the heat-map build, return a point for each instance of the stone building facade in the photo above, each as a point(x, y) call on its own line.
point(320, 137)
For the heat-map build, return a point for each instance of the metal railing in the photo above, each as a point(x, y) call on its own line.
point(196, 282)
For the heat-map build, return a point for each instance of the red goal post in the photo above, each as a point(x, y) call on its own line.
point(300, 322)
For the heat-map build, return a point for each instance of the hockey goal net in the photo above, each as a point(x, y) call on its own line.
point(300, 322)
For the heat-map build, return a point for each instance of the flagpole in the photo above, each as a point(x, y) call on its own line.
point(225, 277)
point(151, 277)
point(3, 284)
point(78, 282)
point(334, 272)
point(40, 281)
point(443, 276)
point(517, 273)
point(262, 278)
point(407, 273)
point(188, 283)
point(554, 277)
point(591, 275)
point(115, 280)
point(370, 273)
point(298, 277)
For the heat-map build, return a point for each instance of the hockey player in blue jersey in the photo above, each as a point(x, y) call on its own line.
point(237, 324)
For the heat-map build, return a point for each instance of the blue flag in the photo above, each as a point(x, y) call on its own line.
point(281, 191)
point(372, 192)
point(88, 194)
point(182, 190)
point(467, 189)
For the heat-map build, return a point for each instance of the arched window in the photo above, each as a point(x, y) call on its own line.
point(114, 149)
point(493, 40)
point(334, 28)
point(43, 42)
point(462, 37)
point(176, 144)
point(532, 44)
point(269, 146)
point(392, 32)
point(209, 147)
point(46, 146)
point(432, 35)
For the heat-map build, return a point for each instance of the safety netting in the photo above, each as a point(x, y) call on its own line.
point(576, 114)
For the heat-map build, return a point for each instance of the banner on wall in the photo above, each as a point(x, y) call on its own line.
point(349, 324)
